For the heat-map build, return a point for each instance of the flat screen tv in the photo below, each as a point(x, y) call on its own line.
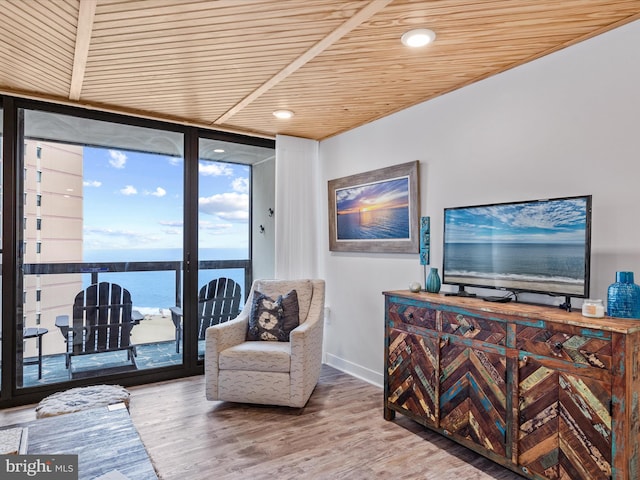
point(537, 246)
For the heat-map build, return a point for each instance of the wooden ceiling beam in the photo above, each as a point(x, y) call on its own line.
point(366, 13)
point(86, 15)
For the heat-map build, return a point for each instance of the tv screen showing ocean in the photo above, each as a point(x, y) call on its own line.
point(152, 291)
point(553, 263)
point(384, 223)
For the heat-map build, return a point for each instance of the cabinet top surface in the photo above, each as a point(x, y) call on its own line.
point(523, 310)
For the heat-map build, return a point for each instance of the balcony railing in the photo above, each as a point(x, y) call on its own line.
point(96, 268)
point(56, 370)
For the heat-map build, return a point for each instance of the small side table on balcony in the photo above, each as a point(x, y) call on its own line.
point(36, 332)
point(176, 317)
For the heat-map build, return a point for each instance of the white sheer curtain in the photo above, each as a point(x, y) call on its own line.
point(297, 208)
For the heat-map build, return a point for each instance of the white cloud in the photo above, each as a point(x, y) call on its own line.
point(215, 228)
point(172, 227)
point(129, 190)
point(107, 231)
point(237, 216)
point(240, 185)
point(117, 159)
point(101, 237)
point(159, 192)
point(215, 169)
point(91, 183)
point(228, 206)
point(171, 223)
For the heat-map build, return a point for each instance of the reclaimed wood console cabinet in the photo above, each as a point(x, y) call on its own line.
point(547, 393)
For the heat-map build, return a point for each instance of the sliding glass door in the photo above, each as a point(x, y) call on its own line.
point(101, 229)
point(112, 229)
point(224, 240)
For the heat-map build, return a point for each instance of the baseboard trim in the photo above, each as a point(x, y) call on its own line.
point(358, 371)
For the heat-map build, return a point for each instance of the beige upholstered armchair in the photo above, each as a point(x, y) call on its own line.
point(268, 372)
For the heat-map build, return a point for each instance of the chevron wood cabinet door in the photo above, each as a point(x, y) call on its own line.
point(412, 366)
point(547, 393)
point(473, 395)
point(412, 375)
point(564, 422)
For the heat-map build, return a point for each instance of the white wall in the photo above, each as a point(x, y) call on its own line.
point(566, 124)
point(263, 197)
point(297, 205)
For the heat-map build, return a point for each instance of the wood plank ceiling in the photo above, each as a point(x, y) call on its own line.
point(228, 64)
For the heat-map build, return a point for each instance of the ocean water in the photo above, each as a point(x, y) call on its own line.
point(152, 291)
point(383, 224)
point(558, 263)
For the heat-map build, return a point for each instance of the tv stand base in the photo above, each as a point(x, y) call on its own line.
point(460, 293)
point(566, 305)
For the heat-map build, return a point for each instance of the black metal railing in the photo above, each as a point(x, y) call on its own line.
point(96, 268)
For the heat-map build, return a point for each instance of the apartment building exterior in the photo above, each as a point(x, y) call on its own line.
point(52, 228)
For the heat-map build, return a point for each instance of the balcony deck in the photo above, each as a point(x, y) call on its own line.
point(149, 355)
point(154, 338)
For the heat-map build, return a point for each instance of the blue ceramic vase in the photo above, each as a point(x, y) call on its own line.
point(623, 297)
point(432, 283)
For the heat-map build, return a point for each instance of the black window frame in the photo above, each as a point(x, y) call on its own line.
point(15, 245)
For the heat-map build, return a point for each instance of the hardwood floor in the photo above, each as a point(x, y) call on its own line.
point(340, 434)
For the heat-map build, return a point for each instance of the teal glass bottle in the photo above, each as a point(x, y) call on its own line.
point(623, 297)
point(432, 283)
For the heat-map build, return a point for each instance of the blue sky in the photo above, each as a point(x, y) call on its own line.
point(135, 200)
point(560, 221)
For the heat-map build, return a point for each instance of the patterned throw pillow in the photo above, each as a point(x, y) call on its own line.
point(273, 320)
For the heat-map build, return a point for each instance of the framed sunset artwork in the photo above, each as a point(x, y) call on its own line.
point(375, 211)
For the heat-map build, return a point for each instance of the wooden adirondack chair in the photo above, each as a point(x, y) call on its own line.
point(218, 302)
point(102, 321)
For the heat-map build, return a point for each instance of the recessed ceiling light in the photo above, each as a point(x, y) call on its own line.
point(418, 38)
point(219, 150)
point(283, 114)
